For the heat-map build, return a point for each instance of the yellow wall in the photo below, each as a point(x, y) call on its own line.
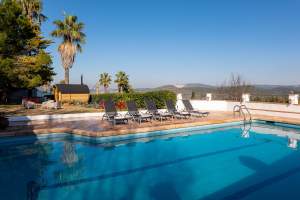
point(70, 97)
point(74, 97)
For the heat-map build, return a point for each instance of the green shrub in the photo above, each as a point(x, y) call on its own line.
point(159, 97)
point(270, 99)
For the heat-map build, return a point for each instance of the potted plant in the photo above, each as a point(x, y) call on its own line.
point(3, 122)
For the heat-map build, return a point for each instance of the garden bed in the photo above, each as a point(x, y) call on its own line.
point(19, 110)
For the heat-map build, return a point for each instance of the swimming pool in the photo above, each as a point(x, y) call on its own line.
point(212, 162)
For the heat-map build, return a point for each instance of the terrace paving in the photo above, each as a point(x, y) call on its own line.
point(95, 127)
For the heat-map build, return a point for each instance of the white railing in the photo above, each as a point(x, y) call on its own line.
point(269, 109)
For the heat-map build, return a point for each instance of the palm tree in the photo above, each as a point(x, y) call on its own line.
point(70, 30)
point(105, 81)
point(122, 81)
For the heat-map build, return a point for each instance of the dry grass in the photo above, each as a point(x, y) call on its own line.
point(19, 110)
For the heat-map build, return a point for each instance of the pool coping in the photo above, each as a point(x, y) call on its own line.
point(116, 132)
point(139, 130)
point(135, 136)
point(116, 138)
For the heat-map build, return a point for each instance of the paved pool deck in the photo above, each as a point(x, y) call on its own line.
point(95, 127)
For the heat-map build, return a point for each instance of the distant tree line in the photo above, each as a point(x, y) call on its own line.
point(269, 98)
point(234, 88)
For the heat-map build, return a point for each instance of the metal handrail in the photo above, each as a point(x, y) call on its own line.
point(246, 127)
point(240, 109)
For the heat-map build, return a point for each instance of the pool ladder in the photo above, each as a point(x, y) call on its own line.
point(247, 119)
point(243, 111)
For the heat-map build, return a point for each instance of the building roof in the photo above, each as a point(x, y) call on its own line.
point(73, 88)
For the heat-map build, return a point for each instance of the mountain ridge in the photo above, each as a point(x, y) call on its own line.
point(188, 88)
point(260, 89)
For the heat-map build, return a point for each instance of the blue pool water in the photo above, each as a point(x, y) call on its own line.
point(185, 164)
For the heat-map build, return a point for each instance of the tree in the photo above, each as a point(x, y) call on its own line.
point(193, 95)
point(235, 88)
point(24, 63)
point(70, 30)
point(33, 10)
point(122, 81)
point(105, 81)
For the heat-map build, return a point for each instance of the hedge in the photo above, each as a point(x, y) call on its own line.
point(159, 97)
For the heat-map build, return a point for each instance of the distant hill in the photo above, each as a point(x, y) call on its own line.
point(276, 89)
point(198, 85)
point(200, 90)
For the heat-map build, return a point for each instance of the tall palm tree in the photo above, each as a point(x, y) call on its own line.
point(105, 81)
point(122, 81)
point(70, 30)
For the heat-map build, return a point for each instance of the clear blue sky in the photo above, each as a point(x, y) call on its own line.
point(161, 42)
